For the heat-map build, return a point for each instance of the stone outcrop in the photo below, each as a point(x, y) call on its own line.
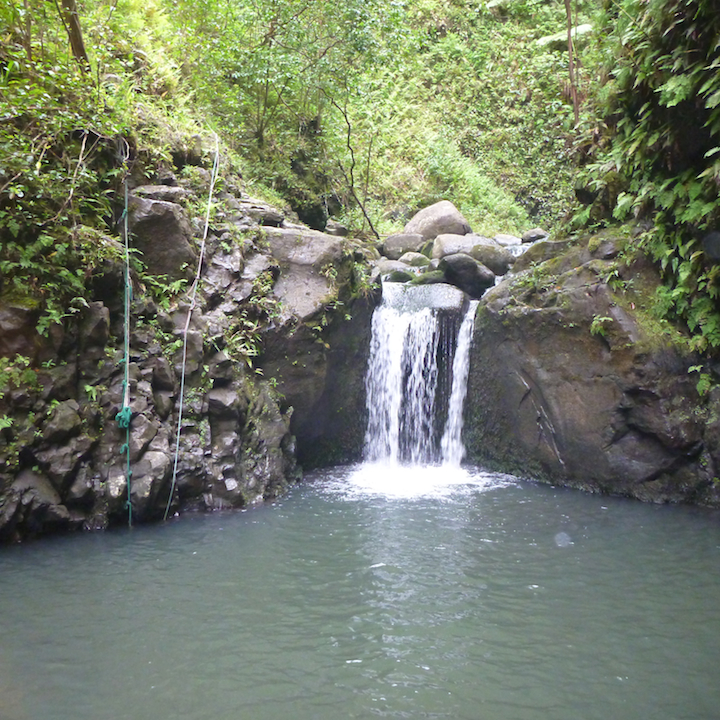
point(567, 383)
point(270, 286)
point(160, 229)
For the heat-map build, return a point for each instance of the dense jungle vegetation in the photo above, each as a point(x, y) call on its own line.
point(365, 111)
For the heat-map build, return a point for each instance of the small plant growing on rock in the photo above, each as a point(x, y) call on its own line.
point(704, 383)
point(599, 325)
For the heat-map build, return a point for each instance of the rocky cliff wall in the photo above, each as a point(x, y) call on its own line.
point(275, 350)
point(572, 382)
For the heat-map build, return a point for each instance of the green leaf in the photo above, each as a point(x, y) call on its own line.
point(713, 100)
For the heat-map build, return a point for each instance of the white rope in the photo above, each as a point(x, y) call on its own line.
point(193, 292)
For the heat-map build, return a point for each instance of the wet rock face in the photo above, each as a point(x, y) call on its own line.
point(320, 375)
point(269, 286)
point(17, 330)
point(608, 410)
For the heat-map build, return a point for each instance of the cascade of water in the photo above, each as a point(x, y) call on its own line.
point(453, 450)
point(409, 378)
point(400, 385)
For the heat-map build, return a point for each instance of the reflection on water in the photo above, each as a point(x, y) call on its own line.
point(373, 592)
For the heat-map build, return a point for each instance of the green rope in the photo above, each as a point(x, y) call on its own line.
point(193, 291)
point(124, 417)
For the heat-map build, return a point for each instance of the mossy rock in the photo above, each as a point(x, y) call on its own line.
point(414, 259)
point(399, 276)
point(430, 278)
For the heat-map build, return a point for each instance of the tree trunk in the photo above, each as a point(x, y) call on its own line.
point(71, 20)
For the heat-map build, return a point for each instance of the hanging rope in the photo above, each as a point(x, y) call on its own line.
point(124, 417)
point(193, 292)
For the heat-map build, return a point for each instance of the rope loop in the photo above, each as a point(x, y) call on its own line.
point(124, 418)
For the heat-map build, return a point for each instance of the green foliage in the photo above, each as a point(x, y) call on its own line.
point(61, 171)
point(367, 110)
point(662, 105)
point(704, 383)
point(599, 324)
point(16, 373)
point(163, 290)
point(244, 339)
point(477, 195)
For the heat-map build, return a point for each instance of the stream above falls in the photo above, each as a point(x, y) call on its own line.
point(443, 594)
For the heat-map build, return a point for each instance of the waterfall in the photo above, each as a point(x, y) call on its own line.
point(417, 375)
point(453, 450)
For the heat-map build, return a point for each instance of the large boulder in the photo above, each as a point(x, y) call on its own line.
point(565, 385)
point(304, 257)
point(442, 217)
point(397, 245)
point(414, 259)
point(451, 243)
point(467, 273)
point(385, 267)
point(534, 234)
point(162, 232)
point(494, 257)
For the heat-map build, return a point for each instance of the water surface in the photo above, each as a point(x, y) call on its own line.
point(424, 594)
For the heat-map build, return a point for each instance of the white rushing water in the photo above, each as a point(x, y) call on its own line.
point(453, 450)
point(413, 342)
